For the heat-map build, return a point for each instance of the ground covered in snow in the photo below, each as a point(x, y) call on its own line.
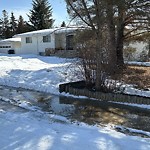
point(35, 72)
point(24, 130)
point(35, 130)
point(43, 73)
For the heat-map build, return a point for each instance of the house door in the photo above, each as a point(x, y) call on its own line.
point(69, 42)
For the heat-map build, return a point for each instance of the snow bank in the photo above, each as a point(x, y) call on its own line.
point(36, 72)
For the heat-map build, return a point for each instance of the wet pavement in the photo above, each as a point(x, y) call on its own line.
point(5, 106)
point(92, 112)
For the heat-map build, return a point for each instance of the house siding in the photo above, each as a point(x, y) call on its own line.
point(17, 47)
point(44, 45)
point(37, 44)
point(28, 48)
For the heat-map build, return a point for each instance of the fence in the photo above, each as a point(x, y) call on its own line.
point(116, 97)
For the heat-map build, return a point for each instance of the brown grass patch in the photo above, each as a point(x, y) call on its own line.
point(137, 75)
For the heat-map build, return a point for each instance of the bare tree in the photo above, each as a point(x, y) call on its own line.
point(92, 14)
point(135, 16)
point(120, 20)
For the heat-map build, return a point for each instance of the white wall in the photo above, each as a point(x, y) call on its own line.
point(17, 47)
point(42, 46)
point(28, 48)
point(37, 44)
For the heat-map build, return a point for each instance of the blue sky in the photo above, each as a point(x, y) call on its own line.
point(22, 7)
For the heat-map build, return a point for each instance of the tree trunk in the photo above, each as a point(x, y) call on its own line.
point(149, 50)
point(99, 67)
point(99, 46)
point(120, 35)
point(112, 62)
point(119, 46)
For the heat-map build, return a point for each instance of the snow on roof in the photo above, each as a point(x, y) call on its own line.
point(50, 31)
point(36, 32)
point(66, 30)
point(14, 39)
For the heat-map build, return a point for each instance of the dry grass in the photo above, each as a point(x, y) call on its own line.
point(137, 75)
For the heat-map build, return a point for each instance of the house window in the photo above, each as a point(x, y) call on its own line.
point(5, 46)
point(69, 42)
point(46, 38)
point(28, 39)
point(8, 46)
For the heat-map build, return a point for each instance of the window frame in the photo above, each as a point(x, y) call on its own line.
point(28, 40)
point(47, 38)
point(5, 46)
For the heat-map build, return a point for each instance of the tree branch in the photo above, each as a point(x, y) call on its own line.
point(78, 14)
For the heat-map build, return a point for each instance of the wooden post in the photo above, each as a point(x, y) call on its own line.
point(118, 97)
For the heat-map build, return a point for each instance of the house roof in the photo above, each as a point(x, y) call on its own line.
point(49, 31)
point(14, 39)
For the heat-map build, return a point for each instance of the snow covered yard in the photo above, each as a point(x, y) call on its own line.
point(35, 72)
point(36, 130)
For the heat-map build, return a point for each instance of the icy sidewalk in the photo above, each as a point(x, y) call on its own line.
point(34, 131)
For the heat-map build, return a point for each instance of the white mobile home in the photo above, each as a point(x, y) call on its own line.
point(41, 41)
